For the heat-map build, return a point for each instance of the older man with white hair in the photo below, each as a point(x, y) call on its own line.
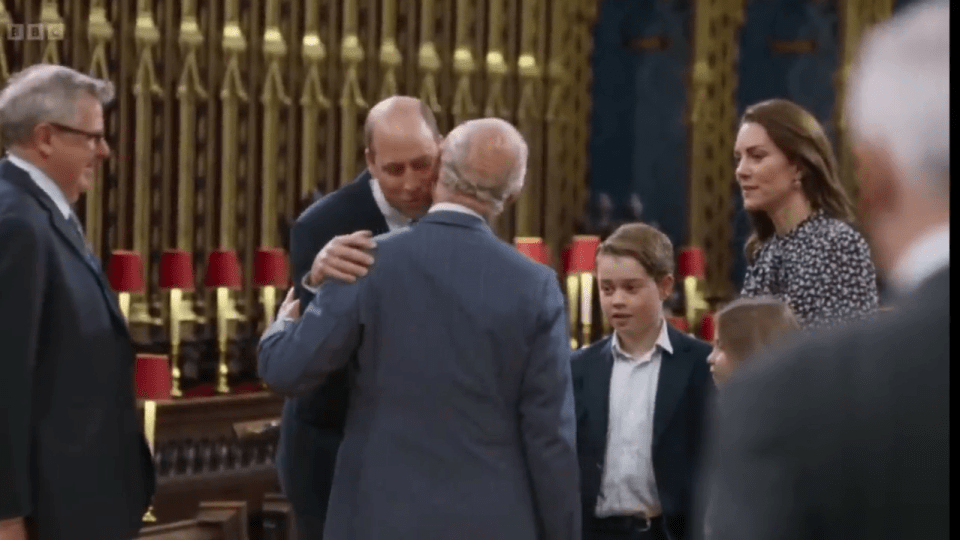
point(73, 462)
point(847, 435)
point(461, 420)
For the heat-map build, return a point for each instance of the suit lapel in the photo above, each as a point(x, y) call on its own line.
point(67, 233)
point(674, 373)
point(601, 394)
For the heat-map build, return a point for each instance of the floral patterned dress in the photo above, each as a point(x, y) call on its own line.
point(822, 269)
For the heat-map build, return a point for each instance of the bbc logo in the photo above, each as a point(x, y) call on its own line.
point(35, 31)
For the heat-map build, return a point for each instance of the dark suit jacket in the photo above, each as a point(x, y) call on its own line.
point(73, 459)
point(461, 420)
point(684, 388)
point(312, 424)
point(845, 435)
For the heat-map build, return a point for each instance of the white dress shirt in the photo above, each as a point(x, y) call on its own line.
point(453, 207)
point(629, 486)
point(922, 259)
point(45, 183)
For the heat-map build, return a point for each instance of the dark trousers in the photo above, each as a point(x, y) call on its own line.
point(623, 528)
point(308, 527)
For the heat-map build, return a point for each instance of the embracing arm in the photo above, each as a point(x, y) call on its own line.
point(22, 271)
point(296, 356)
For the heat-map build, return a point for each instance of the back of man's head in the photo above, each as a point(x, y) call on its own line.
point(484, 160)
point(899, 95)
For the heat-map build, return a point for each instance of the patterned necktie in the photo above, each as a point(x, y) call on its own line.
point(87, 252)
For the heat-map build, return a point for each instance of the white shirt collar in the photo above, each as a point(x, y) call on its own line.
point(454, 207)
point(44, 182)
point(663, 341)
point(922, 259)
point(395, 219)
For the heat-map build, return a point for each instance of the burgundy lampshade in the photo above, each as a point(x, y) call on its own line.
point(691, 263)
point(679, 323)
point(223, 269)
point(125, 271)
point(708, 327)
point(270, 268)
point(176, 269)
point(153, 376)
point(533, 247)
point(580, 255)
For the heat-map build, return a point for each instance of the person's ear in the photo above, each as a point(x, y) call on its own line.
point(665, 287)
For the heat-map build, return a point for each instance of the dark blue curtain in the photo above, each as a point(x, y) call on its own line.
point(639, 136)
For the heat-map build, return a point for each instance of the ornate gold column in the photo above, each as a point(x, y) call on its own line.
point(390, 57)
point(99, 32)
point(145, 90)
point(529, 117)
point(274, 96)
point(557, 150)
point(428, 60)
point(464, 106)
point(5, 23)
point(713, 119)
point(351, 97)
point(232, 94)
point(312, 100)
point(50, 16)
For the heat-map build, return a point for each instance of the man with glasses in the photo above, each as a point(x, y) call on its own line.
point(73, 462)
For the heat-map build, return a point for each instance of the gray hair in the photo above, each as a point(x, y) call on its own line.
point(899, 95)
point(485, 159)
point(45, 93)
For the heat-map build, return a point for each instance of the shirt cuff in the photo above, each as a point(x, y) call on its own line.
point(309, 288)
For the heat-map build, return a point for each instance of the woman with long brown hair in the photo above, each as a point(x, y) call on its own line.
point(804, 249)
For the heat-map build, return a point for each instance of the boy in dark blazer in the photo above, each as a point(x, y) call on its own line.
point(641, 395)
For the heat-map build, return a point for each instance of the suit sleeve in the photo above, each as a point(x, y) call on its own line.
point(548, 422)
point(304, 247)
point(298, 356)
point(752, 489)
point(22, 273)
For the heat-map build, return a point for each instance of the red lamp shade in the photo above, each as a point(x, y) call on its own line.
point(223, 269)
point(176, 269)
point(580, 255)
point(691, 263)
point(679, 323)
point(125, 271)
point(153, 376)
point(533, 247)
point(270, 268)
point(708, 327)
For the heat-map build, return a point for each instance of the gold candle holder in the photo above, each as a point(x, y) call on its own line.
point(223, 336)
point(223, 274)
point(123, 298)
point(268, 296)
point(586, 306)
point(573, 290)
point(149, 433)
point(176, 308)
point(695, 303)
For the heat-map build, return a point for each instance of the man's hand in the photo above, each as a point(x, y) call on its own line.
point(344, 258)
point(13, 529)
point(290, 308)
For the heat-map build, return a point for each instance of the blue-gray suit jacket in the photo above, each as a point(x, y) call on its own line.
point(461, 417)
